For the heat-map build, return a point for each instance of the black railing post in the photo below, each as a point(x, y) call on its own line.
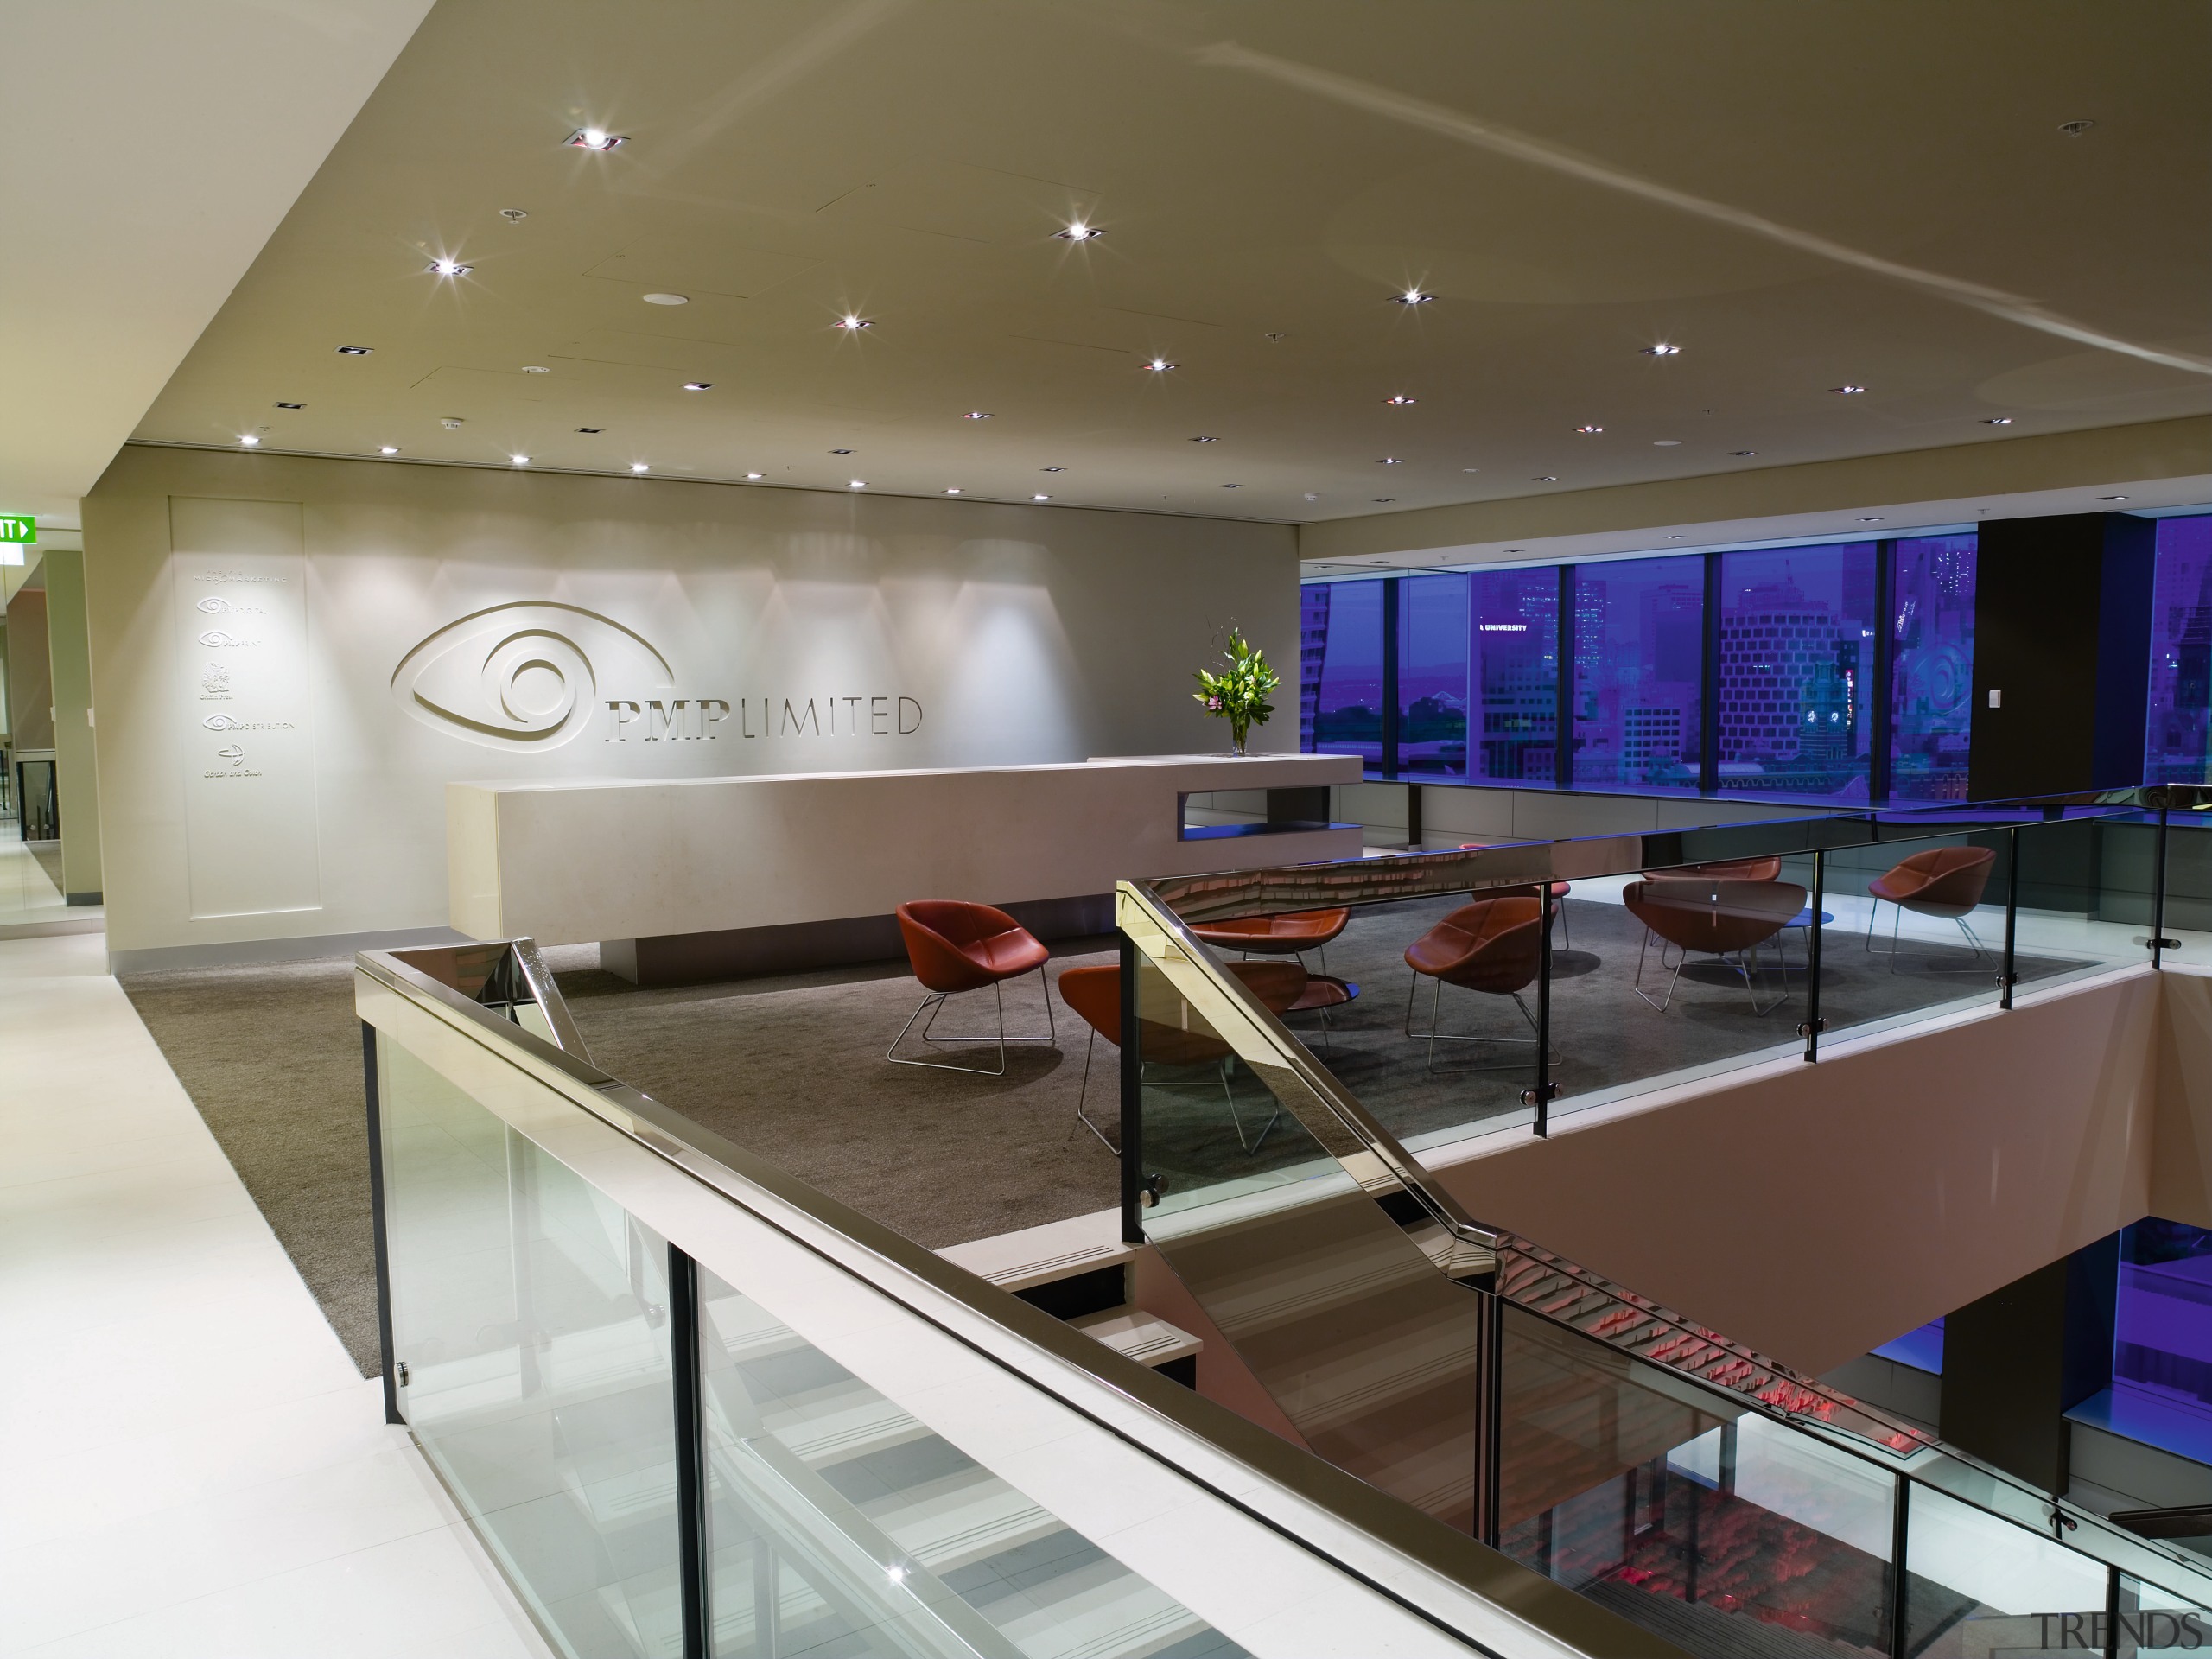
point(690, 1451)
point(1812, 961)
point(383, 1249)
point(1540, 1096)
point(2159, 940)
point(1132, 1102)
point(1900, 1536)
point(1489, 1405)
point(2008, 975)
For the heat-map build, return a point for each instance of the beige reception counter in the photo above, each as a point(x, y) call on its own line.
point(699, 878)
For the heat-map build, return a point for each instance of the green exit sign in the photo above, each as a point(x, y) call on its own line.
point(18, 527)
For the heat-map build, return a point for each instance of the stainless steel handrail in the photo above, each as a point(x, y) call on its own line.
point(882, 1257)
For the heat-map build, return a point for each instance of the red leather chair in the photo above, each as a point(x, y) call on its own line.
point(1560, 890)
point(1095, 995)
point(1943, 881)
point(1290, 935)
point(1721, 918)
point(957, 947)
point(1727, 869)
point(1492, 945)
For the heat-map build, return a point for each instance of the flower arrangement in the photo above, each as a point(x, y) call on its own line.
point(1239, 690)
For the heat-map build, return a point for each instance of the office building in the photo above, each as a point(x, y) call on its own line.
point(912, 827)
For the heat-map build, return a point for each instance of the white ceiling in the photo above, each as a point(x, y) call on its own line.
point(153, 146)
point(1801, 197)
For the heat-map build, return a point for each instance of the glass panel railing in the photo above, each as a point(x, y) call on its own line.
point(1916, 929)
point(1977, 1586)
point(694, 1409)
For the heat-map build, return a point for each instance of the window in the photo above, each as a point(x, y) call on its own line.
point(1514, 676)
point(2177, 733)
point(1433, 700)
point(1931, 687)
point(1348, 675)
point(1796, 659)
point(1638, 660)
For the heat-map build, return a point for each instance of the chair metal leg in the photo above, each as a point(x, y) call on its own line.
point(1227, 1065)
point(1667, 1001)
point(934, 1003)
point(1083, 1094)
point(1435, 1035)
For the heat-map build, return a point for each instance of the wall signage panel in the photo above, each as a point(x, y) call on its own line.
point(239, 579)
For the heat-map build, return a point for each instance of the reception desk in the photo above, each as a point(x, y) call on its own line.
point(704, 878)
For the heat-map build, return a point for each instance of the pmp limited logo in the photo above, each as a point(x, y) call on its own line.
point(527, 675)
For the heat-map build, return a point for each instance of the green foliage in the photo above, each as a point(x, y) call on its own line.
point(1238, 690)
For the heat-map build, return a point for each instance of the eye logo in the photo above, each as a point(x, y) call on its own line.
point(223, 723)
point(216, 640)
point(524, 676)
point(224, 607)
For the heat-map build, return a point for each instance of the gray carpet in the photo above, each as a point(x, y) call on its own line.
point(790, 1069)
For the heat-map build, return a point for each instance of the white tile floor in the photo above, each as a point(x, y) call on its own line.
point(29, 900)
point(189, 1464)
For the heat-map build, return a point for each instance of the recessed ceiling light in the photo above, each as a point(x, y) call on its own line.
point(756, 476)
point(1161, 366)
point(1517, 550)
point(593, 431)
point(1674, 538)
point(519, 460)
point(513, 215)
point(2074, 129)
point(640, 466)
point(954, 490)
point(1998, 420)
point(1666, 443)
point(1847, 391)
point(1310, 496)
point(666, 299)
point(1662, 351)
point(852, 324)
point(449, 268)
point(355, 351)
point(1400, 400)
point(1546, 478)
point(1412, 296)
point(249, 439)
point(857, 484)
point(1040, 497)
point(596, 138)
point(1589, 430)
point(975, 414)
point(1205, 440)
point(2112, 498)
point(451, 422)
point(1079, 232)
point(1052, 469)
point(699, 386)
point(291, 405)
point(840, 452)
point(1470, 470)
point(1391, 460)
point(1277, 335)
point(1380, 499)
point(1869, 518)
point(389, 450)
point(535, 368)
point(1742, 454)
point(1232, 487)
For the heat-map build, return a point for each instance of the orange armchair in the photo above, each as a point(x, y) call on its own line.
point(1094, 994)
point(954, 946)
point(1491, 945)
point(1947, 882)
point(1725, 917)
point(1289, 934)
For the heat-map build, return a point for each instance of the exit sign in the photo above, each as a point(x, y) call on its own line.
point(18, 527)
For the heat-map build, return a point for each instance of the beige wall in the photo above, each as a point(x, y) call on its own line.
point(69, 659)
point(1815, 1212)
point(1027, 633)
point(30, 682)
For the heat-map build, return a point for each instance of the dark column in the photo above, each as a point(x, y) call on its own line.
point(1391, 588)
point(2017, 1360)
point(2061, 627)
point(1708, 750)
point(1875, 690)
point(1563, 739)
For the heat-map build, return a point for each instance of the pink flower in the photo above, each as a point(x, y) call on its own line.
point(1213, 704)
